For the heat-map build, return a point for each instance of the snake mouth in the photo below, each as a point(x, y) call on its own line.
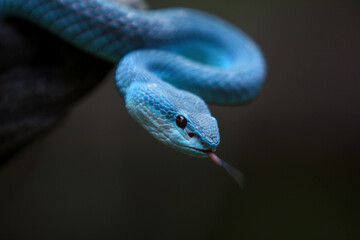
point(211, 154)
point(199, 152)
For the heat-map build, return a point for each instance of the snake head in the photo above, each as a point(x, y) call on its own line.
point(175, 117)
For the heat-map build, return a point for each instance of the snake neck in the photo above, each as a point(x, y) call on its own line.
point(213, 84)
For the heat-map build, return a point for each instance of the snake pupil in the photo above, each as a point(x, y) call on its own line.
point(181, 121)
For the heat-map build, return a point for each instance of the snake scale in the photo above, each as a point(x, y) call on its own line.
point(171, 61)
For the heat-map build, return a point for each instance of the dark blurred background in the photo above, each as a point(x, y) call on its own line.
point(98, 175)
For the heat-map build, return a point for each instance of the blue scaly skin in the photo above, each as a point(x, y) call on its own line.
point(172, 61)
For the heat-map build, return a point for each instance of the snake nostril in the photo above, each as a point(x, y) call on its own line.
point(191, 134)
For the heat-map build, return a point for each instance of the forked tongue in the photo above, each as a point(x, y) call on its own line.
point(234, 173)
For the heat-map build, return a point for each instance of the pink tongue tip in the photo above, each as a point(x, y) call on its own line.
point(215, 158)
point(233, 172)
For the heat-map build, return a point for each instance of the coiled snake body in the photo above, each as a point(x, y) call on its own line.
point(171, 61)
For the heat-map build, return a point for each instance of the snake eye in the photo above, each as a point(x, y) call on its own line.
point(181, 121)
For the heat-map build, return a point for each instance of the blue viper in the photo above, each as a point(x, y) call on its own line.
point(172, 61)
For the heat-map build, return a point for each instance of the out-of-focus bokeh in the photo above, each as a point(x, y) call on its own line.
point(98, 175)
